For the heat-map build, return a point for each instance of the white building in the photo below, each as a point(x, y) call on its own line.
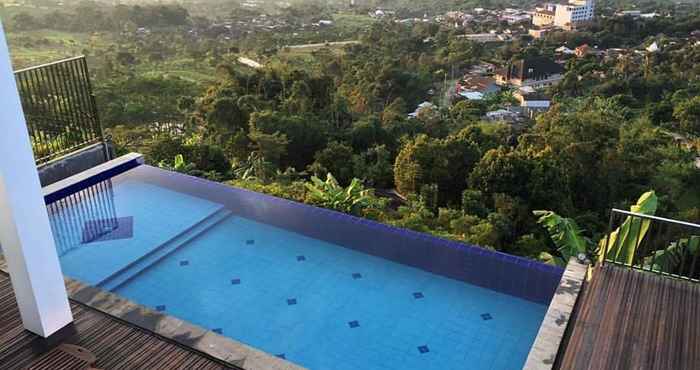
point(568, 16)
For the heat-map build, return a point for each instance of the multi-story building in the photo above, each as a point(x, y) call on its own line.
point(574, 14)
point(544, 16)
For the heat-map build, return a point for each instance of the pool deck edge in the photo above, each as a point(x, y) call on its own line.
point(185, 333)
point(549, 338)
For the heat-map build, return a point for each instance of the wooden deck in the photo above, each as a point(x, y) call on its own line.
point(116, 345)
point(630, 319)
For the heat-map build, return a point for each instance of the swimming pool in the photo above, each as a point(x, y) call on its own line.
point(319, 288)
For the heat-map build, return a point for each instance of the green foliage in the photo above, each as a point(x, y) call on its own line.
point(426, 160)
point(688, 114)
point(375, 167)
point(429, 196)
point(335, 158)
point(566, 235)
point(622, 243)
point(678, 255)
point(354, 198)
point(254, 168)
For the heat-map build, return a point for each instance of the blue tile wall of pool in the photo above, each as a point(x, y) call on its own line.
point(317, 287)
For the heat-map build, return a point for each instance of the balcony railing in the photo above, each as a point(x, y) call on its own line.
point(59, 107)
point(655, 244)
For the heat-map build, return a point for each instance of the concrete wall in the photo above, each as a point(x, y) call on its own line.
point(73, 163)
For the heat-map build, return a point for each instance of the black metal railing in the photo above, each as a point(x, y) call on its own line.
point(655, 244)
point(59, 107)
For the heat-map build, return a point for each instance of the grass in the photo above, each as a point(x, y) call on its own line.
point(30, 48)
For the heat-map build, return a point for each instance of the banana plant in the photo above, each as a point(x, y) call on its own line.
point(676, 257)
point(623, 242)
point(330, 194)
point(566, 235)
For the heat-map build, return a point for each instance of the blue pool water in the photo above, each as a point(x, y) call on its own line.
point(316, 303)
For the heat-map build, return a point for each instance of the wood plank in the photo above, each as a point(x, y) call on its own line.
point(630, 319)
point(117, 345)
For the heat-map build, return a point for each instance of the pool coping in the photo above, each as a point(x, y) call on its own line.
point(91, 176)
point(222, 348)
point(545, 348)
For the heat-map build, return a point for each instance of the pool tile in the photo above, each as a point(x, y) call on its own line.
point(281, 355)
point(301, 258)
point(423, 349)
point(235, 281)
point(418, 295)
point(250, 242)
point(291, 301)
point(108, 229)
point(184, 263)
point(160, 307)
point(486, 316)
point(356, 275)
point(218, 331)
point(354, 324)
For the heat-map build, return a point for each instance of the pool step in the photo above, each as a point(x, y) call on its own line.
point(151, 258)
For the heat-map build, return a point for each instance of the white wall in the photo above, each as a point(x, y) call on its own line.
point(25, 233)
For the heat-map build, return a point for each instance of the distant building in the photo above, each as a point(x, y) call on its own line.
point(531, 101)
point(544, 16)
point(476, 87)
point(421, 107)
point(503, 115)
point(564, 50)
point(572, 15)
point(582, 50)
point(484, 37)
point(536, 72)
point(539, 33)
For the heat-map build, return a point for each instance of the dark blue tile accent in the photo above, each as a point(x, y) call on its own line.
point(486, 316)
point(423, 349)
point(418, 295)
point(108, 229)
point(250, 242)
point(291, 301)
point(184, 263)
point(356, 275)
point(160, 307)
point(282, 356)
point(235, 281)
point(103, 176)
point(354, 324)
point(218, 331)
point(301, 258)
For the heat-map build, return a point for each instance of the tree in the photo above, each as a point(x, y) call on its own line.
point(375, 167)
point(688, 114)
point(335, 158)
point(305, 135)
point(426, 160)
point(501, 170)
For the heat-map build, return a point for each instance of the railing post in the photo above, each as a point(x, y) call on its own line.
point(607, 237)
point(25, 232)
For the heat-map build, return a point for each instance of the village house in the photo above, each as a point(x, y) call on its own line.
point(476, 87)
point(531, 101)
point(536, 72)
